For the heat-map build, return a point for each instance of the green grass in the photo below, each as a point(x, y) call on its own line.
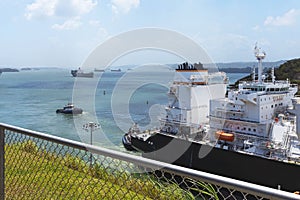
point(32, 173)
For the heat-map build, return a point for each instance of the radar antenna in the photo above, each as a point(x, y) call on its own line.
point(260, 55)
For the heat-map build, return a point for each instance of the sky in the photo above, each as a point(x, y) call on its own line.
point(64, 32)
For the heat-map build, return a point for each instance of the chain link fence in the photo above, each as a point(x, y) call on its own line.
point(34, 165)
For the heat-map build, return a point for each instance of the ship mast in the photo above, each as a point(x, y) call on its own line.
point(253, 74)
point(273, 75)
point(259, 56)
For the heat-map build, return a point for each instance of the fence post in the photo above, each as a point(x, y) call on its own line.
point(2, 164)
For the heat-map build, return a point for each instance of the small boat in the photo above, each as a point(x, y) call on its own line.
point(80, 73)
point(69, 109)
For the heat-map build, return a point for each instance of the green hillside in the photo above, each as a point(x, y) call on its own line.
point(290, 70)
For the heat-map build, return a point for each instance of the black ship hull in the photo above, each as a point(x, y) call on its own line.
point(126, 140)
point(74, 111)
point(249, 168)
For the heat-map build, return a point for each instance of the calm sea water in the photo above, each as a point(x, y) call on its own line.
point(29, 99)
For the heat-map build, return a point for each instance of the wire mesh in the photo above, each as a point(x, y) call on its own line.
point(41, 169)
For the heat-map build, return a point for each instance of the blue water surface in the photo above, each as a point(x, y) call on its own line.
point(29, 99)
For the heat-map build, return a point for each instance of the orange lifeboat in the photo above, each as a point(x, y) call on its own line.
point(221, 135)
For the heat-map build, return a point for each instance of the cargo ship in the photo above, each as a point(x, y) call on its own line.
point(79, 73)
point(252, 134)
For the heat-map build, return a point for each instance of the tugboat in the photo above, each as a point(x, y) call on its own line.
point(70, 109)
point(251, 135)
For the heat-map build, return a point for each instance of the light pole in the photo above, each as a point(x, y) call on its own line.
point(91, 126)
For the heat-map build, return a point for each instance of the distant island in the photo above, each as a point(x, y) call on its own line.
point(8, 70)
point(236, 67)
point(245, 67)
point(26, 68)
point(236, 70)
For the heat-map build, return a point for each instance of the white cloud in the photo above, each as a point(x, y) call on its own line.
point(40, 8)
point(287, 19)
point(65, 8)
point(74, 7)
point(70, 24)
point(124, 6)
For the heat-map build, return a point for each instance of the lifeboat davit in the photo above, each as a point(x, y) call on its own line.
point(221, 135)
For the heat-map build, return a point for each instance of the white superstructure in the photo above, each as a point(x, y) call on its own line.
point(255, 119)
point(189, 97)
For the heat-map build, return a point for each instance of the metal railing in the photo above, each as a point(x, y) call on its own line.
point(35, 165)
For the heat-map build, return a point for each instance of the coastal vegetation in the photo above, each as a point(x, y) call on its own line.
point(35, 173)
point(289, 70)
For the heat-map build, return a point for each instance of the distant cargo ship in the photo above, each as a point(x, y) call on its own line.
point(80, 73)
point(99, 70)
point(115, 70)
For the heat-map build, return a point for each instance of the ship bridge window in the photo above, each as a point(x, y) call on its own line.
point(283, 89)
point(272, 106)
point(254, 130)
